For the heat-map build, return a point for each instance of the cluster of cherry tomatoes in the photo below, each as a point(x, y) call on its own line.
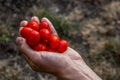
point(40, 38)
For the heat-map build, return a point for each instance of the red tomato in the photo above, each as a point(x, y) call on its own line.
point(39, 37)
point(33, 38)
point(40, 47)
point(54, 41)
point(44, 25)
point(62, 46)
point(45, 34)
point(25, 32)
point(33, 24)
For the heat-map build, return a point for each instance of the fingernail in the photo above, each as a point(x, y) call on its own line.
point(19, 41)
point(34, 18)
point(23, 23)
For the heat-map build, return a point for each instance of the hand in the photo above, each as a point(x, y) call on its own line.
point(67, 66)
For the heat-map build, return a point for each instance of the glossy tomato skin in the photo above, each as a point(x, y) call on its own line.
point(54, 41)
point(39, 37)
point(25, 32)
point(62, 46)
point(33, 25)
point(40, 47)
point(44, 25)
point(34, 38)
point(45, 34)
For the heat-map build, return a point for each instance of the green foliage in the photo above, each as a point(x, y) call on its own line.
point(4, 37)
point(60, 24)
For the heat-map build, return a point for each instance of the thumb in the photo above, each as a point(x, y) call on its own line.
point(24, 47)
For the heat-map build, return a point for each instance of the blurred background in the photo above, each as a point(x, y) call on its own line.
point(92, 27)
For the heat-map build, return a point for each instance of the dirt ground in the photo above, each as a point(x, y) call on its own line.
point(94, 32)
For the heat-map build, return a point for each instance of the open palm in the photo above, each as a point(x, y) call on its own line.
point(44, 61)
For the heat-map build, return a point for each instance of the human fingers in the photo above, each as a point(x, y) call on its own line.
point(51, 25)
point(26, 50)
point(23, 23)
point(35, 18)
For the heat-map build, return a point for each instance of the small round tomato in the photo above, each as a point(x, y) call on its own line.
point(25, 32)
point(54, 41)
point(34, 38)
point(33, 25)
point(40, 47)
point(45, 34)
point(44, 25)
point(62, 46)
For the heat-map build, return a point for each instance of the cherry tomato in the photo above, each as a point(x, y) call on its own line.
point(33, 25)
point(40, 47)
point(25, 32)
point(54, 41)
point(44, 25)
point(39, 37)
point(45, 34)
point(62, 46)
point(32, 37)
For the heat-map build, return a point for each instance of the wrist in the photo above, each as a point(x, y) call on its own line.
point(72, 72)
point(77, 72)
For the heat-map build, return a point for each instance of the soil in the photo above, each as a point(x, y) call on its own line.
point(96, 20)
